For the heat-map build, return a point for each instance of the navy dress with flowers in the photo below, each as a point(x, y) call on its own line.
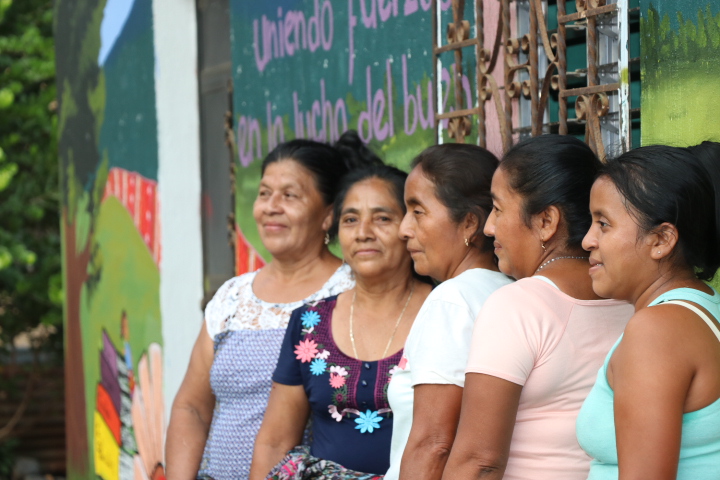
point(351, 417)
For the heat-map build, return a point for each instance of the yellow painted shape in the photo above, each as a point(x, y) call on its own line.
point(107, 451)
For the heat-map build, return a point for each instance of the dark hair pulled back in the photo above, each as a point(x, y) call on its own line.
point(327, 163)
point(675, 185)
point(554, 170)
point(462, 175)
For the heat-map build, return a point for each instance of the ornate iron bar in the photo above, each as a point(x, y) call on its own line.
point(535, 69)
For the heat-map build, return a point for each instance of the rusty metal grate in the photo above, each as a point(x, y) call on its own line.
point(532, 61)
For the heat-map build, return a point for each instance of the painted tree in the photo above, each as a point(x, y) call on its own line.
point(81, 102)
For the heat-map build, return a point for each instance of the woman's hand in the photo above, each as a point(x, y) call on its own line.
point(487, 419)
point(436, 410)
point(191, 414)
point(282, 428)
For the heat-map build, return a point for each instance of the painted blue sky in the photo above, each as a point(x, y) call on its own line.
point(115, 15)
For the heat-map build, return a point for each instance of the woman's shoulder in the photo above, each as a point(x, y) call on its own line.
point(535, 289)
point(656, 335)
point(340, 281)
point(232, 290)
point(239, 281)
point(665, 321)
point(523, 288)
point(316, 310)
point(531, 296)
point(222, 310)
point(470, 286)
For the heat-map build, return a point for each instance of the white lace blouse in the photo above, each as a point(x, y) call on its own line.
point(247, 333)
point(235, 306)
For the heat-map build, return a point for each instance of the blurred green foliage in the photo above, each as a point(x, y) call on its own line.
point(30, 262)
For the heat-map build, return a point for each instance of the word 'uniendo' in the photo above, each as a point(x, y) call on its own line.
point(292, 31)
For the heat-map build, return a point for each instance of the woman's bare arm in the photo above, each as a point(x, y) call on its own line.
point(191, 414)
point(436, 410)
point(487, 420)
point(282, 428)
point(651, 375)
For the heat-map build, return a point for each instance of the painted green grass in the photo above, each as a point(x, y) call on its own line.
point(130, 281)
point(681, 112)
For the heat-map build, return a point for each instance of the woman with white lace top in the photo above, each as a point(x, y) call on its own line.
point(220, 405)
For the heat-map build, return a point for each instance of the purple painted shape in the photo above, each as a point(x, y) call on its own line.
point(109, 371)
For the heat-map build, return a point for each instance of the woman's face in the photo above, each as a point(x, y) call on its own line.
point(435, 242)
point(289, 211)
point(620, 260)
point(517, 246)
point(368, 230)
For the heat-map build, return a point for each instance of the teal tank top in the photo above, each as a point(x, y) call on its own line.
point(700, 443)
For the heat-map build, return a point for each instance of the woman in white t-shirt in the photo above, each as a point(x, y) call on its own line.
point(448, 199)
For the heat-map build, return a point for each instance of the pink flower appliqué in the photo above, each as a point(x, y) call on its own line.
point(336, 381)
point(403, 363)
point(332, 410)
point(306, 350)
point(393, 370)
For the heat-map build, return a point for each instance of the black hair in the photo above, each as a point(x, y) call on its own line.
point(327, 163)
point(462, 175)
point(669, 184)
point(709, 155)
point(394, 177)
point(554, 170)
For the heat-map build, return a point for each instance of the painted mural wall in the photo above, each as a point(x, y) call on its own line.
point(111, 241)
point(680, 44)
point(315, 68)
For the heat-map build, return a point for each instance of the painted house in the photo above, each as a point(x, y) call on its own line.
point(156, 176)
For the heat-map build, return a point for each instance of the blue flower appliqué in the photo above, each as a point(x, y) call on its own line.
point(368, 421)
point(318, 366)
point(310, 318)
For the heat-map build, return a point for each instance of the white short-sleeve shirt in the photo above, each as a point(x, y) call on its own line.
point(437, 348)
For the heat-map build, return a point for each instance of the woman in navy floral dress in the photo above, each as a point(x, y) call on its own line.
point(339, 353)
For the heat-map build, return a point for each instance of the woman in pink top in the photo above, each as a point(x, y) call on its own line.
point(538, 343)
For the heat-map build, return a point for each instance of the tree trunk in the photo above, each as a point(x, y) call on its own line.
point(76, 432)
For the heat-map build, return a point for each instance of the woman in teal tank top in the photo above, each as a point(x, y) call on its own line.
point(654, 412)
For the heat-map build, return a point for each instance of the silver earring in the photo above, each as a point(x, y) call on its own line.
point(543, 246)
point(327, 238)
point(467, 242)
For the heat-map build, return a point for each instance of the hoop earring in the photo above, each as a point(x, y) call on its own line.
point(467, 242)
point(327, 238)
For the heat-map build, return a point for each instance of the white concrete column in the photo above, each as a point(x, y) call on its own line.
point(178, 114)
